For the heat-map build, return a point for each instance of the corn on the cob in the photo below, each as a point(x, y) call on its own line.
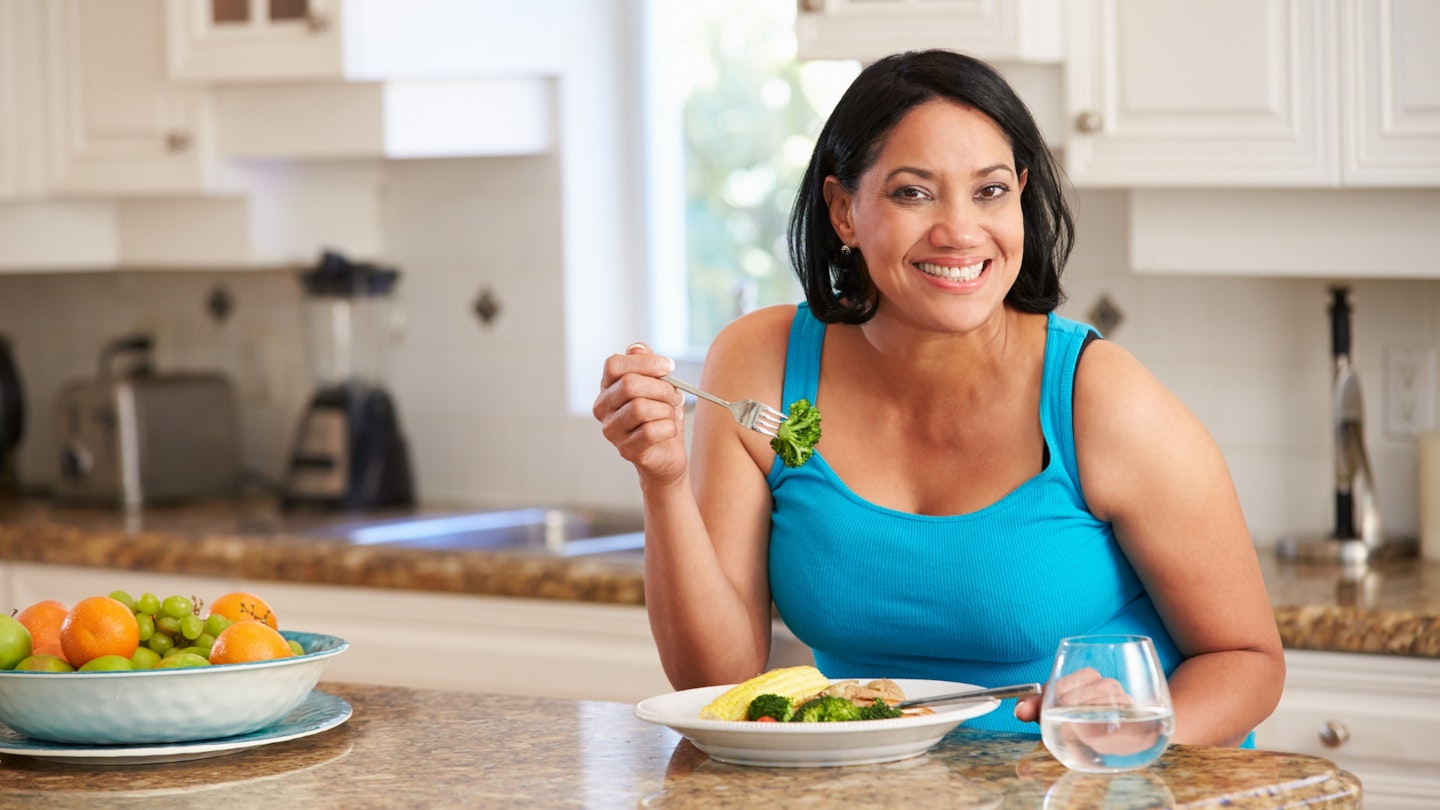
point(791, 682)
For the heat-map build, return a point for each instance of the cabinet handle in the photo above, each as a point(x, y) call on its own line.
point(318, 23)
point(1089, 121)
point(177, 140)
point(1334, 734)
point(812, 5)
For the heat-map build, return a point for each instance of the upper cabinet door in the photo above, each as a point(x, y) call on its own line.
point(1214, 93)
point(1392, 89)
point(117, 125)
point(22, 144)
point(255, 40)
point(1020, 30)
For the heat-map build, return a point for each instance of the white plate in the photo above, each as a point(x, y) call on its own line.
point(799, 745)
point(319, 712)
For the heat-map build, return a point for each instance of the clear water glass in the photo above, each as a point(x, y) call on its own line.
point(1107, 706)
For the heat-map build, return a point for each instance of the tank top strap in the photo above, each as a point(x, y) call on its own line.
point(802, 358)
point(1065, 340)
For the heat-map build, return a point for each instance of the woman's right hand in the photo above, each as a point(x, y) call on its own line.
point(641, 414)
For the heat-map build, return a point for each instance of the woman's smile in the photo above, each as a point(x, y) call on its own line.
point(966, 272)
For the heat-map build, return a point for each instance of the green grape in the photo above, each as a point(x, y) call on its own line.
point(295, 647)
point(148, 603)
point(177, 606)
point(192, 626)
point(144, 658)
point(160, 643)
point(216, 623)
point(169, 625)
point(172, 652)
point(124, 598)
point(205, 640)
point(182, 661)
point(147, 625)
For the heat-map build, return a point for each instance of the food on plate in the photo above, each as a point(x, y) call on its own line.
point(804, 695)
point(798, 434)
point(771, 707)
point(788, 682)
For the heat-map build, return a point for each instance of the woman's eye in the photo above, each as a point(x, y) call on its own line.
point(910, 193)
point(993, 191)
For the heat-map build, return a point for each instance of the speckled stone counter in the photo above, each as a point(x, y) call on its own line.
point(255, 540)
point(1388, 608)
point(409, 748)
point(1391, 608)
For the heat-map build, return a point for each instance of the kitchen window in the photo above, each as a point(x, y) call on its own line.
point(732, 117)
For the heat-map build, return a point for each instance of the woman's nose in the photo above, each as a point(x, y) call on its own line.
point(958, 226)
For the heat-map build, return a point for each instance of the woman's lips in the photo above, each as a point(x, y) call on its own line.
point(958, 273)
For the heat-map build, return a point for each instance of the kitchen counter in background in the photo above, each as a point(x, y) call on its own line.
point(428, 748)
point(1392, 608)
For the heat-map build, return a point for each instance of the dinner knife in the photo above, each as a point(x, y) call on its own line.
point(997, 693)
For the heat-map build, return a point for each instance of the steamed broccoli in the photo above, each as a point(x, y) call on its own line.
point(778, 707)
point(798, 434)
point(826, 709)
point(879, 711)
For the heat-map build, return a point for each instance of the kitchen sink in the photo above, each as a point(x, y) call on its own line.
point(557, 531)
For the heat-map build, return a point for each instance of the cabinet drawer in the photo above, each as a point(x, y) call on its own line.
point(1357, 729)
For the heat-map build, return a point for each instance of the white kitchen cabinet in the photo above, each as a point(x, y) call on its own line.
point(1177, 93)
point(21, 131)
point(117, 125)
point(255, 40)
point(1002, 30)
point(1376, 716)
point(1390, 73)
point(552, 648)
point(1253, 93)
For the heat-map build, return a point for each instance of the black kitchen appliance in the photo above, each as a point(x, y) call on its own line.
point(12, 413)
point(350, 452)
point(1358, 534)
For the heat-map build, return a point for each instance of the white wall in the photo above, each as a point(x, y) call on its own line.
point(484, 406)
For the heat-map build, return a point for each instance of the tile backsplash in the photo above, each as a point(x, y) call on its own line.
point(483, 404)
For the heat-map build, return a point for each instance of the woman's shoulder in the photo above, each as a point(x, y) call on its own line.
point(760, 329)
point(750, 350)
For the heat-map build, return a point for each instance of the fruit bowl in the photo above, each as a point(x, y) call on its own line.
point(163, 705)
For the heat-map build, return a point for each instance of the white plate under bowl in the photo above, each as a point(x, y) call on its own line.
point(803, 745)
point(319, 712)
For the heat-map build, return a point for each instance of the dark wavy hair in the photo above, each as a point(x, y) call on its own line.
point(838, 287)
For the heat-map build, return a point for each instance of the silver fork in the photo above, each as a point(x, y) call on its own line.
point(753, 415)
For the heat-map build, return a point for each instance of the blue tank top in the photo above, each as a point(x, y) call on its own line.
point(981, 598)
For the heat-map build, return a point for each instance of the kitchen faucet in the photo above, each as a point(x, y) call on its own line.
point(1358, 535)
point(1357, 514)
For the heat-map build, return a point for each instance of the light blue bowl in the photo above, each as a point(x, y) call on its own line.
point(164, 705)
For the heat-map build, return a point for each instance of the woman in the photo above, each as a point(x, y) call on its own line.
point(990, 478)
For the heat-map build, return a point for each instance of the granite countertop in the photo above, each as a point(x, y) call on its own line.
point(427, 748)
point(1391, 607)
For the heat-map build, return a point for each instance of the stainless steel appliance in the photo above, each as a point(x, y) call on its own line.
point(136, 436)
point(1358, 533)
point(349, 451)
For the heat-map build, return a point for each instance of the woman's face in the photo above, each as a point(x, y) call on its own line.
point(937, 218)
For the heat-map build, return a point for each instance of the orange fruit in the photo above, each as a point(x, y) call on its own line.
point(249, 640)
point(43, 620)
point(96, 626)
point(240, 605)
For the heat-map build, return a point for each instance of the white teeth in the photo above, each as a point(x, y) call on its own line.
point(969, 272)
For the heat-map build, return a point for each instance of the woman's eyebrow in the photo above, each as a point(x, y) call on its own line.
point(926, 174)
